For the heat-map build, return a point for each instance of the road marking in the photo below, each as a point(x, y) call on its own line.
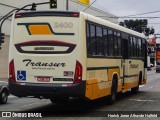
point(12, 96)
point(142, 86)
point(31, 104)
point(147, 87)
point(141, 100)
point(150, 87)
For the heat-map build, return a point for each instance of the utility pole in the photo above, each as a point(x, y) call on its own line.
point(67, 5)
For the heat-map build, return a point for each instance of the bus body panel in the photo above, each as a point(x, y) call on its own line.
point(46, 56)
point(35, 61)
point(101, 69)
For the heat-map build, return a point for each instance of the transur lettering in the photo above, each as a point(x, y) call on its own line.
point(29, 62)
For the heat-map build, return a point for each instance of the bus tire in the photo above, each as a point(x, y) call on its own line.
point(59, 99)
point(112, 97)
point(135, 90)
point(3, 97)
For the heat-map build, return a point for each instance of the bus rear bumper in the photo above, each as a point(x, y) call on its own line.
point(38, 90)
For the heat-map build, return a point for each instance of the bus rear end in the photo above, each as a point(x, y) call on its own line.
point(43, 58)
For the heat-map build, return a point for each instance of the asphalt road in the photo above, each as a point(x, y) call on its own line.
point(148, 99)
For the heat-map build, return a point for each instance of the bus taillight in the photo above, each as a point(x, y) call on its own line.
point(78, 73)
point(18, 15)
point(12, 71)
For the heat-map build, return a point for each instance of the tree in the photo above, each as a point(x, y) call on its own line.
point(138, 25)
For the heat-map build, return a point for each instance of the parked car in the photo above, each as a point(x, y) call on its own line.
point(4, 92)
point(158, 67)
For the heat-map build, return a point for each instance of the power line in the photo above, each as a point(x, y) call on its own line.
point(153, 23)
point(101, 7)
point(90, 5)
point(132, 17)
point(142, 13)
point(7, 5)
point(148, 23)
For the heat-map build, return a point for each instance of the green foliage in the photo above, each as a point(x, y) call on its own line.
point(138, 25)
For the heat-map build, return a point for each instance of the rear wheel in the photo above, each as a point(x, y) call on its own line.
point(3, 97)
point(59, 99)
point(135, 90)
point(112, 97)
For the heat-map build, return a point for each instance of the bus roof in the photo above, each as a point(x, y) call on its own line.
point(112, 25)
point(87, 16)
point(47, 13)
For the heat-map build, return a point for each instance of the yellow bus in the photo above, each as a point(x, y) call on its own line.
point(57, 55)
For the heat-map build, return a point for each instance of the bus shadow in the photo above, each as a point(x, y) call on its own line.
point(80, 107)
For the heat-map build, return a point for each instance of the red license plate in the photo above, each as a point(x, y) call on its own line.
point(43, 79)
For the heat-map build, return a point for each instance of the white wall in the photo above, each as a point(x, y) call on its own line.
point(4, 58)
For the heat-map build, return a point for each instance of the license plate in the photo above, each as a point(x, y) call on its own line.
point(43, 79)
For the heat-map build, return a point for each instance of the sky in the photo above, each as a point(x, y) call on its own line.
point(132, 7)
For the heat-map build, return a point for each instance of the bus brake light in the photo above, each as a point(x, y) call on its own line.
point(75, 15)
point(12, 71)
point(18, 15)
point(78, 73)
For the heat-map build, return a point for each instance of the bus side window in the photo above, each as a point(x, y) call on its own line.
point(105, 38)
point(125, 47)
point(144, 52)
point(115, 44)
point(110, 40)
point(99, 41)
point(134, 46)
point(92, 43)
point(143, 48)
point(130, 47)
point(119, 44)
point(88, 41)
point(139, 48)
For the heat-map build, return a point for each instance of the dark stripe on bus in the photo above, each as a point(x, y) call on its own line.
point(102, 68)
point(135, 75)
